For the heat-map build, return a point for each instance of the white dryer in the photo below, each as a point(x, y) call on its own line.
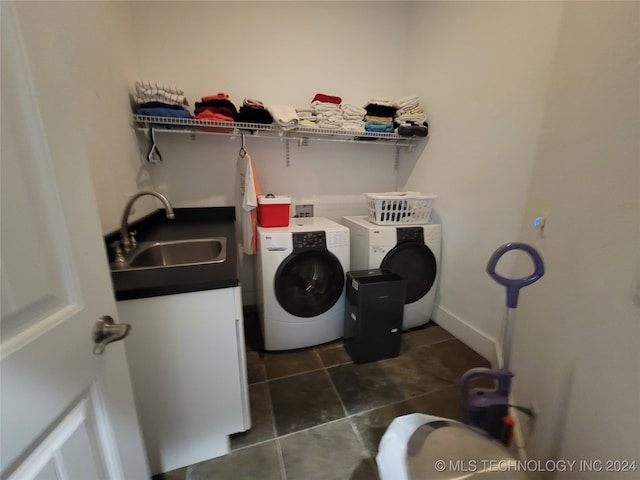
point(411, 251)
point(300, 278)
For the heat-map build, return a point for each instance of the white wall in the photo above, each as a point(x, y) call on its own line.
point(91, 43)
point(279, 53)
point(576, 354)
point(482, 70)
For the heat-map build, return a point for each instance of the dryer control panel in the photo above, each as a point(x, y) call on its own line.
point(309, 241)
point(410, 234)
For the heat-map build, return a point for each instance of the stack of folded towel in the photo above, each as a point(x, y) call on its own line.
point(307, 117)
point(380, 115)
point(326, 109)
point(253, 111)
point(160, 100)
point(216, 107)
point(411, 119)
point(284, 116)
point(353, 117)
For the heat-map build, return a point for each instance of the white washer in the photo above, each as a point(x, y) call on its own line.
point(411, 251)
point(300, 278)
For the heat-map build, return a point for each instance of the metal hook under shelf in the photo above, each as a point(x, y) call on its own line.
point(243, 150)
point(153, 153)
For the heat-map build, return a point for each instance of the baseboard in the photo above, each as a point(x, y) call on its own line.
point(467, 334)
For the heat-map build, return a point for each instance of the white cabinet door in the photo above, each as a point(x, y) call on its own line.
point(64, 412)
point(188, 368)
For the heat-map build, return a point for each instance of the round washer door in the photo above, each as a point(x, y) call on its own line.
point(417, 264)
point(309, 283)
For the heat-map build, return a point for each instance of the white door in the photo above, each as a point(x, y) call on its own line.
point(65, 413)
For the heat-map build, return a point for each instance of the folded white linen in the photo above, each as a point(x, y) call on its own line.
point(351, 109)
point(147, 91)
point(304, 114)
point(328, 116)
point(332, 123)
point(353, 126)
point(412, 117)
point(381, 101)
point(349, 116)
point(407, 102)
point(284, 115)
point(318, 107)
point(308, 123)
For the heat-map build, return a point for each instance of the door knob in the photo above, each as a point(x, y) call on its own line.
point(105, 331)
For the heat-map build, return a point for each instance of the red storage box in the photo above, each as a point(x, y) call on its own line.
point(273, 210)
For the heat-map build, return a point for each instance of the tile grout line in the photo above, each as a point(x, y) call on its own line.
point(364, 448)
point(335, 390)
point(283, 472)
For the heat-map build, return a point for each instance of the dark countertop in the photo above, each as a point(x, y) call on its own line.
point(188, 223)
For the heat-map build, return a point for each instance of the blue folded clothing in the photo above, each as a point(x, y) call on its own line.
point(159, 109)
point(376, 126)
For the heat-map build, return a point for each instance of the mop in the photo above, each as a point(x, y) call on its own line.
point(488, 408)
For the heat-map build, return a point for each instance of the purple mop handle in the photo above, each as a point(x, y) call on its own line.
point(513, 285)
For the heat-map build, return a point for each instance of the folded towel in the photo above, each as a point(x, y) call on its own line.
point(327, 98)
point(348, 116)
point(374, 126)
point(329, 125)
point(380, 110)
point(407, 102)
point(223, 110)
point(220, 104)
point(144, 86)
point(318, 107)
point(218, 96)
point(354, 126)
point(376, 118)
point(351, 109)
point(285, 116)
point(308, 123)
point(413, 130)
point(147, 91)
point(305, 112)
point(209, 115)
point(328, 116)
point(252, 102)
point(411, 117)
point(381, 101)
point(253, 115)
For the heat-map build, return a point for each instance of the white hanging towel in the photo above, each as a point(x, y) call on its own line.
point(247, 191)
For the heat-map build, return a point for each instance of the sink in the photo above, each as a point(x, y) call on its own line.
point(148, 255)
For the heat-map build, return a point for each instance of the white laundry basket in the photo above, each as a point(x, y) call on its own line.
point(400, 208)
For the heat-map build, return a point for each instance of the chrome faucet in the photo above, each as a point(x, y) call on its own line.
point(124, 225)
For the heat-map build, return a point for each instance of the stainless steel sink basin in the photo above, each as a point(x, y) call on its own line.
point(148, 255)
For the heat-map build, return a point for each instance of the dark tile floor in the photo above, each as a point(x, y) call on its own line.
point(317, 415)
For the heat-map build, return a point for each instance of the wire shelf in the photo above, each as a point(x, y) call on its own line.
point(194, 125)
